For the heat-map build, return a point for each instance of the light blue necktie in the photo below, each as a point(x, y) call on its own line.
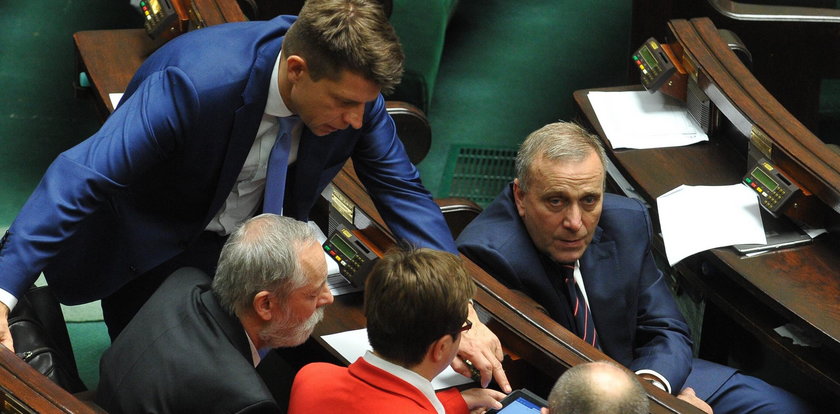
point(278, 164)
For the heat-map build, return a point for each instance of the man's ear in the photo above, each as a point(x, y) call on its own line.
point(439, 349)
point(543, 410)
point(518, 197)
point(262, 305)
point(296, 67)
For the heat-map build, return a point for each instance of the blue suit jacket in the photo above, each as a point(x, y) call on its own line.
point(636, 317)
point(141, 189)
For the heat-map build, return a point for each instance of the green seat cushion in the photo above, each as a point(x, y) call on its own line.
point(421, 26)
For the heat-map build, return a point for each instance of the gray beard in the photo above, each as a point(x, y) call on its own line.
point(287, 333)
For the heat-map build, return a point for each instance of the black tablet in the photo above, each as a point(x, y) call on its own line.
point(521, 401)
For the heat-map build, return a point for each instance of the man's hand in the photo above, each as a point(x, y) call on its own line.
point(688, 395)
point(5, 335)
point(482, 349)
point(480, 400)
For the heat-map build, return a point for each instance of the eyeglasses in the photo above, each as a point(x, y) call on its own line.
point(466, 327)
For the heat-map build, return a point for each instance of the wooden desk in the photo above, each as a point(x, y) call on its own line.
point(799, 285)
point(24, 390)
point(109, 58)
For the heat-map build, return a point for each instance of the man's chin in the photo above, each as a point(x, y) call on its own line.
point(566, 256)
point(324, 130)
point(286, 338)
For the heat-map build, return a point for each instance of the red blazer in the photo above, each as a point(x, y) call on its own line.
point(363, 388)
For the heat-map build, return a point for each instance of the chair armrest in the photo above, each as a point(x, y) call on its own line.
point(760, 12)
point(412, 127)
point(458, 212)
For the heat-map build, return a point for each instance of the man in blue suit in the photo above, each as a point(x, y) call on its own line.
point(554, 229)
point(185, 158)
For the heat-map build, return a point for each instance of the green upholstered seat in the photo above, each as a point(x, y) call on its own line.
point(421, 26)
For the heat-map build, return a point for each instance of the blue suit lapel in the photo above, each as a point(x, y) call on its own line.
point(315, 158)
point(598, 268)
point(313, 153)
point(246, 123)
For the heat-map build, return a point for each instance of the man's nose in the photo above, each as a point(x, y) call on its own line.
point(572, 219)
point(353, 117)
point(326, 297)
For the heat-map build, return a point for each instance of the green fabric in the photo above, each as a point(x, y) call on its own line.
point(89, 341)
point(421, 27)
point(39, 114)
point(510, 67)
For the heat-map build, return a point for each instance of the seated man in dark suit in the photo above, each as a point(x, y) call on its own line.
point(586, 257)
point(193, 347)
point(599, 387)
point(416, 307)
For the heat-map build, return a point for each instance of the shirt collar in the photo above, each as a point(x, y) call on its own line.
point(274, 105)
point(407, 375)
point(255, 355)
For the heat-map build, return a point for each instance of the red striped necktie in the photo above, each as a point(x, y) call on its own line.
point(580, 309)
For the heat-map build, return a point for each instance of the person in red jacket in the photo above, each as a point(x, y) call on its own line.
point(416, 308)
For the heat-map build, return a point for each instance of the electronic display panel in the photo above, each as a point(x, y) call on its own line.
point(343, 247)
point(763, 178)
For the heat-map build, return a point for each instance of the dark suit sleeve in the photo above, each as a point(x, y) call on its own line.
point(394, 184)
point(493, 262)
point(662, 342)
point(142, 132)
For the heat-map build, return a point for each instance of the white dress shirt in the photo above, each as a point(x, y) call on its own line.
point(664, 384)
point(407, 375)
point(247, 192)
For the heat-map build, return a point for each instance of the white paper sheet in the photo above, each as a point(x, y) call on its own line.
point(639, 119)
point(698, 218)
point(353, 344)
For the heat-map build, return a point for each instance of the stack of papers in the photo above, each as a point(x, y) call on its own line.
point(698, 218)
point(639, 119)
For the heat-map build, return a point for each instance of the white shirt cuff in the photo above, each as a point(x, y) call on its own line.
point(663, 383)
point(8, 299)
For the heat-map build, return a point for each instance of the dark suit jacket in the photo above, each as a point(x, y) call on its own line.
point(182, 353)
point(636, 317)
point(143, 188)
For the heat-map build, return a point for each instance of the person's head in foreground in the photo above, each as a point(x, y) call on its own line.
point(416, 307)
point(600, 387)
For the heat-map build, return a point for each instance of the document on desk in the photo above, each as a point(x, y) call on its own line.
point(353, 344)
point(698, 218)
point(639, 119)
